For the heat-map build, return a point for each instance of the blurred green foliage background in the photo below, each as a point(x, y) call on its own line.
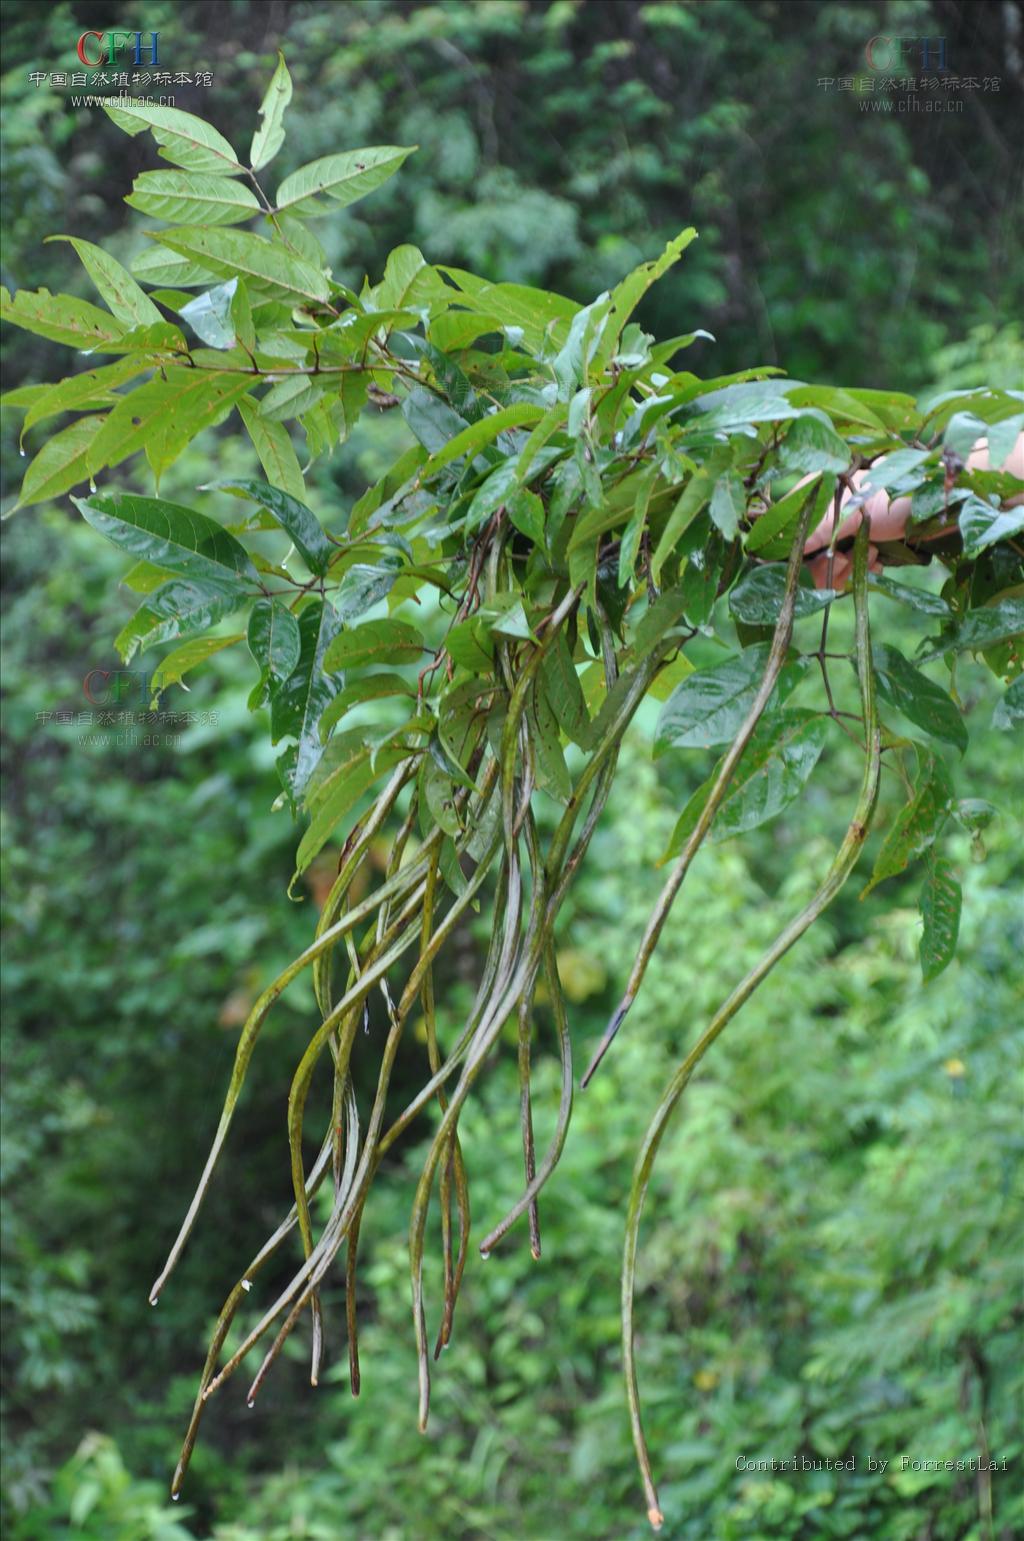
point(828, 1264)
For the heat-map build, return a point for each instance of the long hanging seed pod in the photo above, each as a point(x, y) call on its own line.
point(326, 1249)
point(454, 1169)
point(250, 1033)
point(781, 639)
point(334, 1234)
point(554, 1151)
point(842, 865)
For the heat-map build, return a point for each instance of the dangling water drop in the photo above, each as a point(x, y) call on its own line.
point(175, 1497)
point(92, 484)
point(247, 1284)
point(251, 1402)
point(21, 452)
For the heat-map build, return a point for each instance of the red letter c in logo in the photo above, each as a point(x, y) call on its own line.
point(87, 685)
point(81, 48)
point(873, 63)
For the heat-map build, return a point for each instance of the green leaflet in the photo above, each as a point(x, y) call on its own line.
point(62, 463)
point(366, 688)
point(692, 499)
point(941, 902)
point(375, 642)
point(748, 401)
point(627, 294)
point(461, 717)
point(981, 525)
point(335, 181)
point(699, 579)
point(492, 494)
point(918, 697)
point(347, 770)
point(183, 138)
point(209, 315)
point(298, 702)
point(474, 436)
point(771, 774)
point(241, 317)
point(669, 676)
point(291, 398)
point(918, 599)
point(172, 669)
point(143, 578)
point(176, 609)
point(629, 546)
point(267, 267)
point(82, 392)
point(432, 420)
point(62, 318)
point(564, 693)
point(897, 472)
point(981, 629)
point(526, 512)
point(1010, 710)
point(299, 522)
point(710, 705)
point(409, 283)
point(170, 536)
point(157, 265)
point(273, 638)
point(549, 761)
point(273, 444)
point(126, 300)
point(812, 444)
point(533, 316)
point(771, 534)
point(728, 504)
point(757, 598)
point(163, 416)
point(844, 405)
point(505, 614)
point(554, 418)
point(24, 396)
point(662, 616)
point(438, 791)
point(918, 822)
point(269, 137)
point(451, 377)
point(364, 585)
point(1002, 436)
point(190, 198)
point(469, 644)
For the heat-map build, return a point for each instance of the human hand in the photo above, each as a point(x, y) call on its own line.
point(888, 519)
